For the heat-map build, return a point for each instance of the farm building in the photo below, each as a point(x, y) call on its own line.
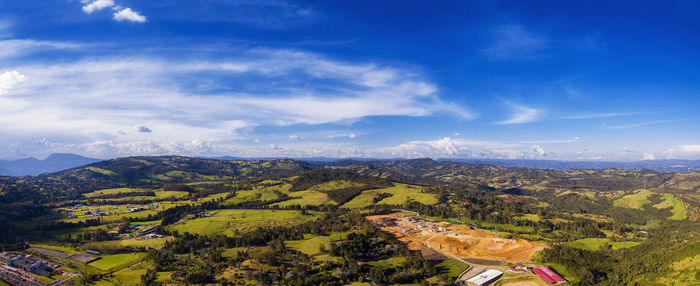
point(484, 278)
point(548, 275)
point(544, 276)
point(517, 269)
point(558, 279)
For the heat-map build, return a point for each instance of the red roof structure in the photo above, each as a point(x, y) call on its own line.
point(544, 276)
point(552, 274)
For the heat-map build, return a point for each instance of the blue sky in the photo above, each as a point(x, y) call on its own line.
point(563, 80)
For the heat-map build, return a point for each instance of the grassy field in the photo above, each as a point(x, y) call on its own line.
point(311, 247)
point(507, 227)
point(127, 276)
point(228, 221)
point(307, 198)
point(530, 217)
point(335, 185)
point(453, 266)
point(400, 194)
point(101, 171)
point(677, 210)
point(389, 262)
point(64, 249)
point(155, 243)
point(108, 262)
point(104, 192)
point(596, 243)
point(634, 201)
point(259, 194)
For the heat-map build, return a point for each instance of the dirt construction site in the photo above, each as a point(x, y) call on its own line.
point(473, 245)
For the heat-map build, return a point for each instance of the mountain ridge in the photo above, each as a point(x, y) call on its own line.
point(53, 163)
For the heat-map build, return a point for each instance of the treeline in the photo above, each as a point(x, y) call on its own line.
point(627, 266)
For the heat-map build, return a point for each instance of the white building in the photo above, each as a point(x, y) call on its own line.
point(484, 278)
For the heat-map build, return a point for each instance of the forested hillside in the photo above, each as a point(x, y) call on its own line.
point(162, 220)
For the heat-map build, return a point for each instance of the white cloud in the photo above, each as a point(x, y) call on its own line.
point(294, 137)
point(97, 99)
point(648, 156)
point(538, 150)
point(96, 5)
point(521, 114)
point(352, 135)
point(9, 79)
point(14, 48)
point(690, 148)
point(683, 151)
point(127, 14)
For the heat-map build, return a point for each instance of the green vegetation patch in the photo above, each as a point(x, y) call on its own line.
point(127, 276)
point(101, 171)
point(452, 267)
point(311, 247)
point(389, 262)
point(229, 221)
point(105, 192)
point(108, 262)
point(307, 198)
point(633, 201)
point(596, 243)
point(259, 194)
point(677, 210)
point(155, 243)
point(399, 195)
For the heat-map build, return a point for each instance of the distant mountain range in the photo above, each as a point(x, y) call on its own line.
point(53, 163)
point(666, 166)
point(62, 161)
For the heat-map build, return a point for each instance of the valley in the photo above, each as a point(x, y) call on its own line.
point(178, 220)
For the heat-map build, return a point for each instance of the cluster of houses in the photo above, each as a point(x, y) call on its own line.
point(134, 209)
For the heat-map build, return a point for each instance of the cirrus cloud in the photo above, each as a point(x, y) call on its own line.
point(95, 99)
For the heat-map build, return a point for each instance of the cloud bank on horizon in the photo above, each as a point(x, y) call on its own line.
point(107, 78)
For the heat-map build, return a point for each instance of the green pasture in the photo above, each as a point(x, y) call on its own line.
point(306, 198)
point(596, 243)
point(634, 201)
point(677, 210)
point(108, 262)
point(452, 266)
point(229, 221)
point(400, 194)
